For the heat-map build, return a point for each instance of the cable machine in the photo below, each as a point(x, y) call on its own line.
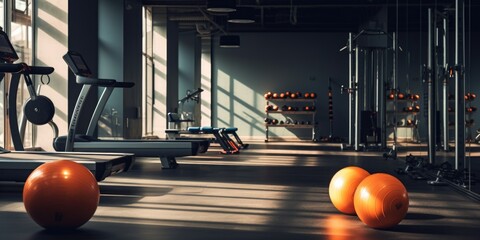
point(459, 175)
point(368, 67)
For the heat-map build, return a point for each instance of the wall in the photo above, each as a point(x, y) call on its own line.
point(119, 58)
point(278, 62)
point(82, 38)
point(51, 33)
point(186, 68)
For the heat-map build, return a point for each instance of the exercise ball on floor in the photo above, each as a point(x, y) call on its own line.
point(342, 188)
point(381, 201)
point(61, 195)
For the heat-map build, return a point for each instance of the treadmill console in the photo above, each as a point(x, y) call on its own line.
point(77, 64)
point(7, 52)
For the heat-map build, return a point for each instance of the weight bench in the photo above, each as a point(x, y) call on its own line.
point(226, 132)
point(228, 146)
point(222, 135)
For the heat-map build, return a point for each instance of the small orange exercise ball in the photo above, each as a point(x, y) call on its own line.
point(61, 195)
point(381, 201)
point(342, 188)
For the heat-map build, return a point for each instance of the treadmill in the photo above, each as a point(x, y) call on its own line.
point(17, 166)
point(166, 150)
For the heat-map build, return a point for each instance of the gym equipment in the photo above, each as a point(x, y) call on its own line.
point(23, 119)
point(293, 104)
point(381, 201)
point(414, 167)
point(459, 174)
point(38, 109)
point(268, 95)
point(367, 93)
point(391, 96)
point(166, 150)
point(330, 137)
point(342, 188)
point(226, 132)
point(17, 166)
point(226, 146)
point(184, 116)
point(221, 135)
point(61, 195)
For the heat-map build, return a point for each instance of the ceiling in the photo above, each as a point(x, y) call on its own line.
point(311, 15)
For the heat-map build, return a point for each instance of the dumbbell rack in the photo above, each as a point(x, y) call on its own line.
point(469, 110)
point(300, 102)
point(404, 115)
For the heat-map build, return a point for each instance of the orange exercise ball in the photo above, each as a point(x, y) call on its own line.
point(381, 201)
point(61, 195)
point(342, 187)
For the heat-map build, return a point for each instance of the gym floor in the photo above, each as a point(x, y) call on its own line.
point(269, 191)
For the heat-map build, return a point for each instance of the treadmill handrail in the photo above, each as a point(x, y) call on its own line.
point(103, 82)
point(95, 81)
point(11, 67)
point(123, 85)
point(38, 70)
point(25, 69)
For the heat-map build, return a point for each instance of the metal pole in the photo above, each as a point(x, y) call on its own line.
point(377, 96)
point(383, 99)
point(395, 87)
point(350, 90)
point(431, 88)
point(366, 80)
point(446, 76)
point(459, 85)
point(357, 102)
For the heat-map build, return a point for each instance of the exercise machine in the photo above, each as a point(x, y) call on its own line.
point(220, 135)
point(187, 117)
point(457, 173)
point(367, 101)
point(17, 165)
point(223, 136)
point(166, 150)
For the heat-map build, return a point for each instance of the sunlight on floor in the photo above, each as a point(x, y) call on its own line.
point(222, 206)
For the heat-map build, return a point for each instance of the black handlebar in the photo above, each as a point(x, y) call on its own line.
point(25, 69)
point(95, 81)
point(11, 67)
point(39, 70)
point(191, 95)
point(123, 84)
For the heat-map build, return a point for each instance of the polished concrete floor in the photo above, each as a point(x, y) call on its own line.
point(270, 191)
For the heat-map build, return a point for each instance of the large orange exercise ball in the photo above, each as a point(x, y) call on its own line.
point(381, 201)
point(342, 188)
point(61, 195)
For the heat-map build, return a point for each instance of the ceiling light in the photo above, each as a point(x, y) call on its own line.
point(221, 6)
point(242, 15)
point(230, 41)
